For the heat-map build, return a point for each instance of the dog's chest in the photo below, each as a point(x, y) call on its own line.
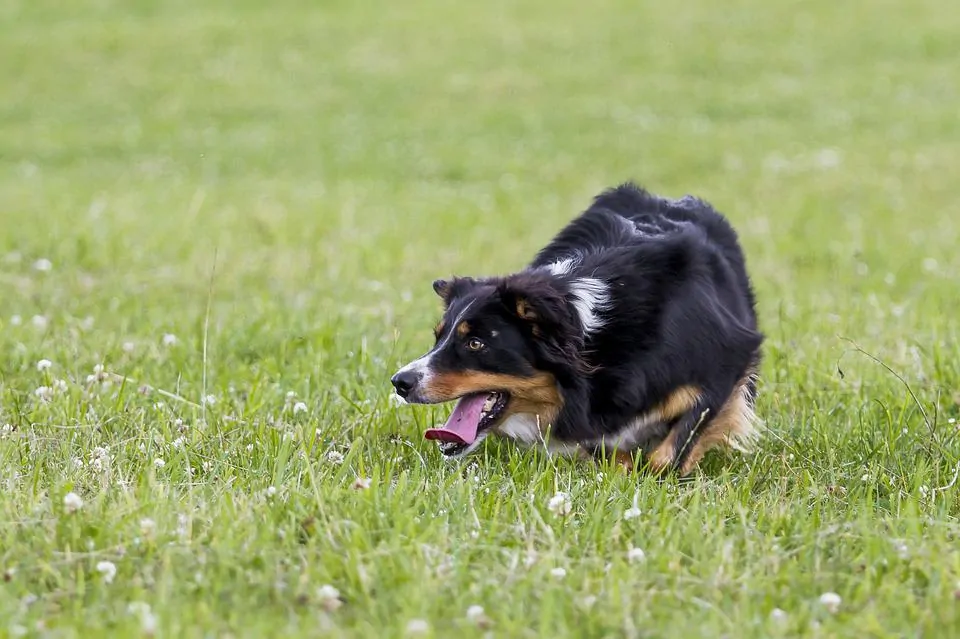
point(525, 429)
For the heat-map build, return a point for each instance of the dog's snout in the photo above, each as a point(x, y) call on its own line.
point(405, 382)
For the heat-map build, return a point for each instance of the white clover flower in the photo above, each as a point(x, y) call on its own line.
point(183, 526)
point(636, 554)
point(210, 400)
point(59, 385)
point(6, 430)
point(99, 375)
point(43, 265)
point(179, 442)
point(16, 320)
point(271, 491)
point(361, 483)
point(334, 457)
point(159, 463)
point(44, 364)
point(148, 624)
point(129, 347)
point(777, 615)
point(44, 393)
point(72, 502)
point(417, 627)
point(631, 513)
point(558, 573)
point(108, 569)
point(475, 613)
point(329, 597)
point(299, 407)
point(560, 504)
point(39, 321)
point(831, 601)
point(903, 551)
point(148, 621)
point(147, 526)
point(77, 463)
point(169, 339)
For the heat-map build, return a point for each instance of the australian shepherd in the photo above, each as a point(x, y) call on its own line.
point(633, 334)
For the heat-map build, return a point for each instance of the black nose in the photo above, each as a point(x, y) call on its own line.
point(404, 382)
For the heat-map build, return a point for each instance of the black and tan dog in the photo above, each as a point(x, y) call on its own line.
point(633, 332)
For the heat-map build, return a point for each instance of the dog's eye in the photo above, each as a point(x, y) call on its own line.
point(473, 344)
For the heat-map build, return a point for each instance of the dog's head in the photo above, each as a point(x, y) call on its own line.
point(500, 346)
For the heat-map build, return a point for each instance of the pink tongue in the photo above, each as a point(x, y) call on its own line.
point(462, 425)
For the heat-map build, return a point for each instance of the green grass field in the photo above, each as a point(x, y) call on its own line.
point(236, 210)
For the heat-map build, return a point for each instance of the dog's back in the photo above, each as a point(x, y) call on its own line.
point(628, 215)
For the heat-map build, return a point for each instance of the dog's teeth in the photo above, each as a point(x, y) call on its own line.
point(488, 404)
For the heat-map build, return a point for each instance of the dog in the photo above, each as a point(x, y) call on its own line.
point(632, 335)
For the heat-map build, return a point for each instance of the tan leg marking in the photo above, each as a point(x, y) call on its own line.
point(677, 403)
point(735, 426)
point(662, 456)
point(624, 460)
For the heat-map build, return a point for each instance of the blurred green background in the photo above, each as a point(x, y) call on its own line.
point(287, 179)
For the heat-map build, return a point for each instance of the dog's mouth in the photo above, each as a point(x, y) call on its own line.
point(471, 417)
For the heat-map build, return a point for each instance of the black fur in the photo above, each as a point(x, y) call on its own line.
point(683, 309)
point(680, 311)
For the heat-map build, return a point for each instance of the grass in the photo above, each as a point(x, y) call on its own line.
point(276, 185)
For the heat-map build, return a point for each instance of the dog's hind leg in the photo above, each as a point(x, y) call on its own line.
point(677, 449)
point(735, 426)
point(702, 428)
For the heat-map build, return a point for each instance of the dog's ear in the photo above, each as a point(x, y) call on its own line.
point(442, 288)
point(535, 302)
point(549, 317)
point(453, 288)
